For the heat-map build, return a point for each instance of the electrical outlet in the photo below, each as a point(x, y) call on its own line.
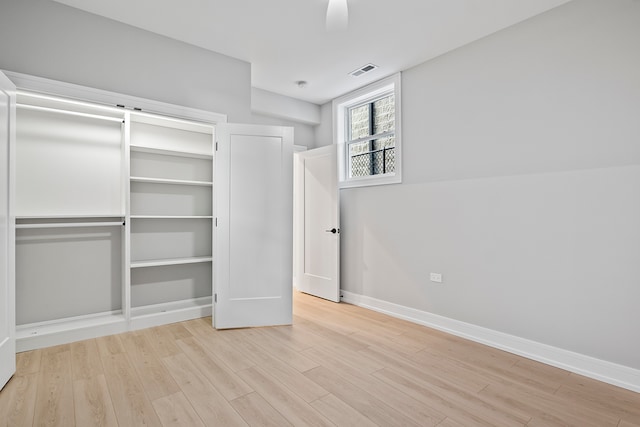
point(435, 277)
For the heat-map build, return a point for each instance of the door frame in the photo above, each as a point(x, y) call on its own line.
point(8, 308)
point(296, 229)
point(313, 285)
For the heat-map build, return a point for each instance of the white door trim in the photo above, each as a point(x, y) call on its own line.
point(7, 284)
point(317, 222)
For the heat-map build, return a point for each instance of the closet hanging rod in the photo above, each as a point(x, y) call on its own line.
point(71, 224)
point(71, 113)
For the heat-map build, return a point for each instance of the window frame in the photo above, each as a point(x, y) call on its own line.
point(341, 107)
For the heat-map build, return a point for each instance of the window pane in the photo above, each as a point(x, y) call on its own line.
point(379, 160)
point(359, 121)
point(360, 159)
point(384, 118)
point(380, 143)
point(358, 148)
point(387, 150)
point(383, 157)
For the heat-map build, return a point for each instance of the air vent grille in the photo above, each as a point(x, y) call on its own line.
point(363, 70)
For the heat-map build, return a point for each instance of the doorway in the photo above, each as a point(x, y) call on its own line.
point(317, 223)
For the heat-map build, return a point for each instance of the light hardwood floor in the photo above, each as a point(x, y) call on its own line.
point(337, 365)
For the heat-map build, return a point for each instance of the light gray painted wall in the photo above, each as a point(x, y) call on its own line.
point(324, 131)
point(521, 186)
point(303, 134)
point(48, 39)
point(272, 104)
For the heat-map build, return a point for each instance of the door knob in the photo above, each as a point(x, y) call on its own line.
point(333, 230)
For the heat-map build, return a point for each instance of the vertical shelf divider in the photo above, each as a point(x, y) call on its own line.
point(126, 253)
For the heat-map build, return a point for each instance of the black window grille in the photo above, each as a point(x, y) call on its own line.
point(374, 162)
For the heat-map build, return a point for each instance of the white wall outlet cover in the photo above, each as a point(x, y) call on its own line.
point(435, 277)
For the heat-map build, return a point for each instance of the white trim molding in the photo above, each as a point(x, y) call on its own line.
point(83, 93)
point(601, 370)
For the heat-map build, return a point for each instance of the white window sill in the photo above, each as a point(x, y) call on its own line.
point(367, 181)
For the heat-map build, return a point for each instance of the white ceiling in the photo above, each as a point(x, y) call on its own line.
point(286, 41)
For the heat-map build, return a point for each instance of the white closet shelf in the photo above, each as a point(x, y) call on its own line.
point(171, 217)
point(39, 217)
point(70, 113)
point(170, 181)
point(173, 122)
point(170, 261)
point(167, 152)
point(54, 100)
point(71, 224)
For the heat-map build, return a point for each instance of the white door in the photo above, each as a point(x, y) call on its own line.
point(7, 230)
point(253, 238)
point(318, 223)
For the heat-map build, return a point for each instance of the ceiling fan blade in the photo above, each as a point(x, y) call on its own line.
point(337, 15)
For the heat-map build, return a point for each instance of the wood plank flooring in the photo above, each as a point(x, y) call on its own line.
point(338, 365)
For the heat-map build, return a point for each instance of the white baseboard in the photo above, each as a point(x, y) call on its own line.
point(601, 370)
point(163, 314)
point(64, 331)
point(47, 334)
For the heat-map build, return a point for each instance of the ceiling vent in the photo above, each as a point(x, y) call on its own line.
point(363, 70)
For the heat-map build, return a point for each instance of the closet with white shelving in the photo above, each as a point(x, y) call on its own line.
point(116, 216)
point(170, 213)
point(114, 220)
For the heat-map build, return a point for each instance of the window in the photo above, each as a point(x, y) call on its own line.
point(368, 131)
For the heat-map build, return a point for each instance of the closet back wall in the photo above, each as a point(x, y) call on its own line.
point(47, 39)
point(67, 167)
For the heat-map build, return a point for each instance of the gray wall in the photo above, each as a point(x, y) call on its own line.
point(324, 132)
point(48, 39)
point(521, 186)
point(303, 134)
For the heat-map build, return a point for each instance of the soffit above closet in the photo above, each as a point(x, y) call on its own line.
point(286, 40)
